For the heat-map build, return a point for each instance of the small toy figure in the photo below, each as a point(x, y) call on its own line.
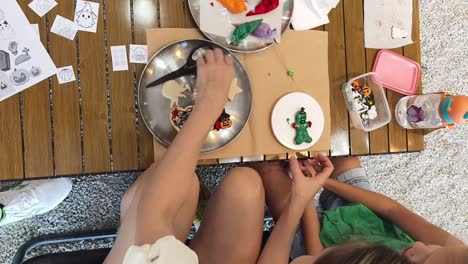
point(301, 125)
point(368, 95)
point(415, 114)
point(223, 122)
point(363, 101)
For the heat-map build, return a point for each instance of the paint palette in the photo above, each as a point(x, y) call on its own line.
point(283, 119)
point(166, 107)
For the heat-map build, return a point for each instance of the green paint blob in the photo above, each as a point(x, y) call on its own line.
point(244, 30)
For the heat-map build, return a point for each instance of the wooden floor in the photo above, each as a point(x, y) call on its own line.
point(93, 126)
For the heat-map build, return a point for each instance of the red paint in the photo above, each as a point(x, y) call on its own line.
point(211, 4)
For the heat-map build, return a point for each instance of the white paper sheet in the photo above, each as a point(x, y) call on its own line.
point(24, 61)
point(42, 7)
point(64, 27)
point(309, 14)
point(384, 16)
point(138, 54)
point(119, 58)
point(216, 19)
point(86, 15)
point(66, 74)
point(35, 28)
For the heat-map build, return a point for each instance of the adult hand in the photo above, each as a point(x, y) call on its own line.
point(215, 75)
point(308, 177)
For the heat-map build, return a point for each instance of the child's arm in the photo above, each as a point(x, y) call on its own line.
point(311, 228)
point(278, 246)
point(416, 226)
point(303, 189)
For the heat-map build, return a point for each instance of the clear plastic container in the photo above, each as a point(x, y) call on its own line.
point(366, 102)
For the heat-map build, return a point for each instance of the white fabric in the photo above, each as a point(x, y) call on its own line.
point(33, 198)
point(311, 13)
point(166, 250)
point(385, 18)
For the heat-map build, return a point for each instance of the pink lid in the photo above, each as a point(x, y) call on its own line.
point(397, 72)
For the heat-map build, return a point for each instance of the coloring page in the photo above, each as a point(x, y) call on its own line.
point(35, 28)
point(119, 58)
point(86, 15)
point(42, 7)
point(138, 54)
point(24, 61)
point(64, 27)
point(66, 74)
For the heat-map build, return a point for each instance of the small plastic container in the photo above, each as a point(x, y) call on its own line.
point(366, 102)
point(397, 72)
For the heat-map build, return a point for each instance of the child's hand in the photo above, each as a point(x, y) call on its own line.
point(309, 177)
point(215, 75)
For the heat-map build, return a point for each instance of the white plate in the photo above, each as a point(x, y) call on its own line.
point(286, 109)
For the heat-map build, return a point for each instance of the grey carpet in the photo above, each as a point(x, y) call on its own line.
point(433, 183)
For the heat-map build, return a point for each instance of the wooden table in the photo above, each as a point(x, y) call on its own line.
point(93, 126)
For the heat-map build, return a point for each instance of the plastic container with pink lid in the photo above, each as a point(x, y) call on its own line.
point(397, 72)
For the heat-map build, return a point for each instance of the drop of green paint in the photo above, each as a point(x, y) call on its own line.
point(287, 120)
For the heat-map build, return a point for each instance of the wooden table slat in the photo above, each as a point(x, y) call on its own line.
point(66, 109)
point(145, 16)
point(189, 22)
point(122, 93)
point(337, 72)
point(413, 51)
point(355, 63)
point(11, 160)
point(94, 98)
point(172, 13)
point(38, 155)
point(379, 137)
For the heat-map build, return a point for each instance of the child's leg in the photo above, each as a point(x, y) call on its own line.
point(277, 185)
point(231, 231)
point(347, 170)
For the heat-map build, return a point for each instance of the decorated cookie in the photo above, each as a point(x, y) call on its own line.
point(223, 122)
point(172, 90)
point(178, 116)
point(234, 90)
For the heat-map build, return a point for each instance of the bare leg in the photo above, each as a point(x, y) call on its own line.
point(231, 231)
point(277, 185)
point(128, 214)
point(345, 164)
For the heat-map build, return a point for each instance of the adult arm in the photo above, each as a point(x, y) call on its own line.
point(414, 225)
point(167, 191)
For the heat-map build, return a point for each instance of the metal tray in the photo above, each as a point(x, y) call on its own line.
point(154, 107)
point(245, 46)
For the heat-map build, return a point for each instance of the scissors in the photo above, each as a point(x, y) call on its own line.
point(190, 67)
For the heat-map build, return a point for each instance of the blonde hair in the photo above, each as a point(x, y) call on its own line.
point(361, 253)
